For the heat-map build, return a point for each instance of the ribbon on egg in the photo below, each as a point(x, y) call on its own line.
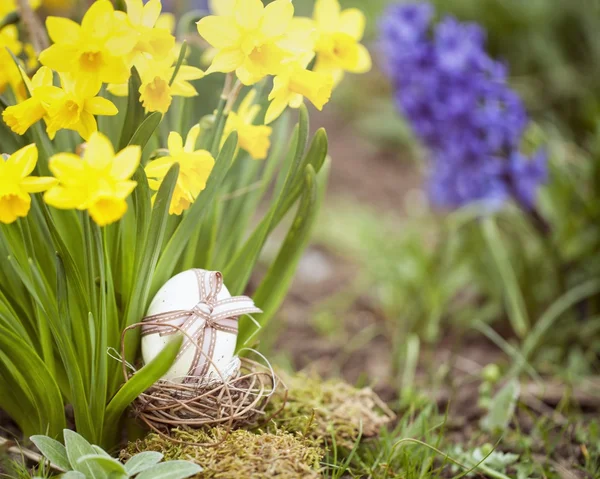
point(202, 322)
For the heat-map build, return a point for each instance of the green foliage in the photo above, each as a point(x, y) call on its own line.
point(68, 289)
point(81, 460)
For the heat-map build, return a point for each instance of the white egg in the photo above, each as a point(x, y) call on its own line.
point(174, 303)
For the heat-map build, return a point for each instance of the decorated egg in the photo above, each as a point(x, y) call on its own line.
point(197, 303)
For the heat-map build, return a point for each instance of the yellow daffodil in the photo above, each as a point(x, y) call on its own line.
point(155, 92)
point(73, 106)
point(255, 139)
point(250, 39)
point(100, 182)
point(338, 48)
point(16, 185)
point(21, 116)
point(9, 73)
point(96, 50)
point(195, 167)
point(152, 39)
point(296, 83)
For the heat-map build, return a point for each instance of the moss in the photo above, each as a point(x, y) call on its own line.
point(319, 409)
point(242, 454)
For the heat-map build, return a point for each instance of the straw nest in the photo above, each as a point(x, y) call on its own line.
point(233, 403)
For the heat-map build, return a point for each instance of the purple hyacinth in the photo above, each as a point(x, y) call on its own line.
point(461, 107)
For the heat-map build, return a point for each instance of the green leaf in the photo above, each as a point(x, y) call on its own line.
point(73, 475)
point(272, 290)
point(142, 380)
point(145, 131)
point(171, 470)
point(52, 450)
point(44, 390)
point(550, 316)
point(135, 110)
point(150, 250)
point(108, 464)
point(180, 59)
point(100, 451)
point(240, 267)
point(142, 461)
point(503, 407)
point(517, 312)
point(77, 447)
point(195, 214)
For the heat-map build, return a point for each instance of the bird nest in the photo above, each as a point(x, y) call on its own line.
point(236, 402)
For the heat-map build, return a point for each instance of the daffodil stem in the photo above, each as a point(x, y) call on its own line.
point(220, 116)
point(233, 95)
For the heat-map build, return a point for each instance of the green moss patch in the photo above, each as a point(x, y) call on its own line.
point(324, 409)
point(242, 454)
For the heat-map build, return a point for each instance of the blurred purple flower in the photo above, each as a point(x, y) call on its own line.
point(459, 104)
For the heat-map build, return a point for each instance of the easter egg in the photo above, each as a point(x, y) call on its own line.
point(198, 303)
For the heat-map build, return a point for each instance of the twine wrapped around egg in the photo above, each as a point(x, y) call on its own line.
point(232, 398)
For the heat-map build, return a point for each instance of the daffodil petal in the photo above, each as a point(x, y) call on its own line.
point(135, 10)
point(63, 30)
point(64, 198)
point(151, 13)
point(158, 168)
point(98, 16)
point(276, 108)
point(226, 61)
point(99, 152)
point(59, 57)
point(220, 32)
point(24, 160)
point(37, 184)
point(277, 17)
point(192, 137)
point(352, 22)
point(326, 14)
point(364, 60)
point(175, 143)
point(100, 106)
point(87, 125)
point(126, 162)
point(67, 167)
point(43, 77)
point(248, 13)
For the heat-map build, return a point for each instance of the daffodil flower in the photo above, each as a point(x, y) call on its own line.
point(100, 182)
point(73, 106)
point(21, 116)
point(155, 92)
point(96, 50)
point(153, 39)
point(255, 139)
point(17, 184)
point(251, 39)
point(9, 72)
point(338, 48)
point(195, 167)
point(291, 87)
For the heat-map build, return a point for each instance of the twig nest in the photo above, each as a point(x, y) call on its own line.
point(197, 303)
point(238, 402)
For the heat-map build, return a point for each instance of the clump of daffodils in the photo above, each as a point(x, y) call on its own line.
point(89, 65)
